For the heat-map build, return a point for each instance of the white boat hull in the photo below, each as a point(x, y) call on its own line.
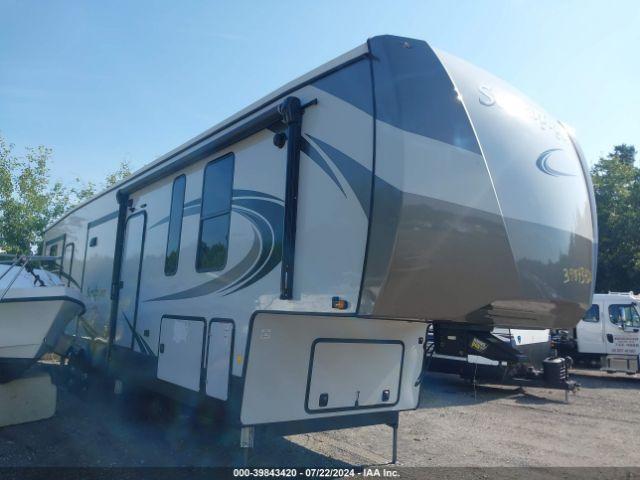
point(31, 322)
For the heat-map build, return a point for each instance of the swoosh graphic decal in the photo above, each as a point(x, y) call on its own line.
point(543, 164)
point(161, 221)
point(358, 176)
point(193, 207)
point(266, 241)
point(314, 155)
point(142, 345)
point(265, 212)
point(219, 282)
point(268, 219)
point(254, 194)
point(187, 211)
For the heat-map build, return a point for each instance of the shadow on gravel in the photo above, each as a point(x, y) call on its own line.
point(597, 379)
point(527, 398)
point(445, 390)
point(94, 428)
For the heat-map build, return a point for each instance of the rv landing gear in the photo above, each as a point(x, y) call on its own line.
point(394, 443)
point(536, 382)
point(568, 386)
point(247, 435)
point(78, 368)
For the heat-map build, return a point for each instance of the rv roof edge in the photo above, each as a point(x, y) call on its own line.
point(338, 62)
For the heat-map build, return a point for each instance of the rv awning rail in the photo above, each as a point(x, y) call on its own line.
point(210, 146)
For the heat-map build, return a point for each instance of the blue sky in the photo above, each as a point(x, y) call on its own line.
point(101, 82)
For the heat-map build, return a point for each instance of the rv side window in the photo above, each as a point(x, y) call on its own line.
point(215, 216)
point(67, 262)
point(592, 315)
point(626, 315)
point(175, 226)
point(53, 252)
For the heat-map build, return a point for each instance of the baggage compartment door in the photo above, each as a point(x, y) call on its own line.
point(180, 351)
point(219, 350)
point(339, 379)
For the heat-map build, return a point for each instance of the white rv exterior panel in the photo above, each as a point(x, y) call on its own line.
point(278, 364)
point(180, 356)
point(339, 372)
point(219, 359)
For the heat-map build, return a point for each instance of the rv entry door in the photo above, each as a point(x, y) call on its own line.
point(132, 254)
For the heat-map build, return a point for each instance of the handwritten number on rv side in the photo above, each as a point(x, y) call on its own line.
point(576, 275)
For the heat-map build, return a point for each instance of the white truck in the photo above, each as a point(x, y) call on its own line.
point(608, 335)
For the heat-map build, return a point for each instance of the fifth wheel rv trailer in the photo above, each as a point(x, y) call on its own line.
point(283, 264)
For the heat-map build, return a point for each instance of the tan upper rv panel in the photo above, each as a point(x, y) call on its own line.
point(482, 208)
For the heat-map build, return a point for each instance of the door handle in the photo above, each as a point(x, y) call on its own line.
point(161, 348)
point(609, 338)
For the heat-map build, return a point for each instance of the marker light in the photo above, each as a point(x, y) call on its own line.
point(338, 303)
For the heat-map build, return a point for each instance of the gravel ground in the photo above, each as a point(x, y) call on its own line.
point(455, 425)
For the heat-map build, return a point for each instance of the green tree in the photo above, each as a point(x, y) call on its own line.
point(28, 200)
point(616, 182)
point(82, 191)
point(624, 153)
point(123, 171)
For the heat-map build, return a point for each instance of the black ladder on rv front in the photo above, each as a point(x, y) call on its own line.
point(291, 112)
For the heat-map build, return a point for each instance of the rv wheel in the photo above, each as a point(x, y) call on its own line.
point(78, 366)
point(159, 408)
point(207, 416)
point(139, 404)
